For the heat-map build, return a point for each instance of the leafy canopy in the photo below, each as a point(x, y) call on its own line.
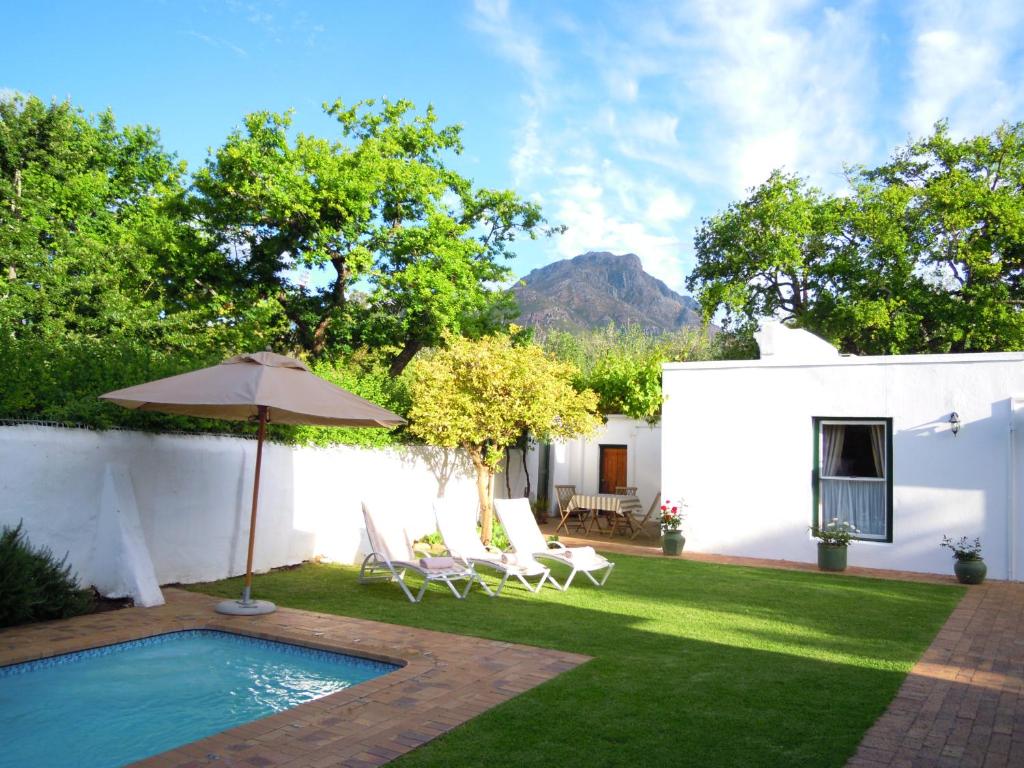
point(481, 395)
point(925, 253)
point(410, 246)
point(623, 365)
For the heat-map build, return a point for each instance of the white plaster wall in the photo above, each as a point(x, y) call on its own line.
point(193, 495)
point(577, 462)
point(737, 444)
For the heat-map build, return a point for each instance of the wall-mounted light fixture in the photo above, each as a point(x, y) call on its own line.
point(954, 422)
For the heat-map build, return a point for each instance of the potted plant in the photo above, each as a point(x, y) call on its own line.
point(969, 567)
point(672, 539)
point(833, 541)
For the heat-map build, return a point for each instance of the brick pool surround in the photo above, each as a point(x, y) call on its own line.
point(443, 681)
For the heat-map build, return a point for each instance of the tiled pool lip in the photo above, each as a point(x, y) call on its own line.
point(308, 651)
point(445, 680)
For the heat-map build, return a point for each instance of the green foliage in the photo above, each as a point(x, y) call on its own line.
point(835, 533)
point(782, 668)
point(378, 209)
point(623, 365)
point(924, 255)
point(482, 395)
point(34, 585)
point(963, 548)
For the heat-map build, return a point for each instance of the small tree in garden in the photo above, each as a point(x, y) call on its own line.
point(481, 395)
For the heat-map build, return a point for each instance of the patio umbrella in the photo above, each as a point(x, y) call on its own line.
point(262, 387)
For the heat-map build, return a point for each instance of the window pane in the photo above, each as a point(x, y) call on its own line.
point(861, 503)
point(853, 450)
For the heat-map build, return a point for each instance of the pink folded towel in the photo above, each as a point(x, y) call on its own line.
point(437, 563)
point(508, 558)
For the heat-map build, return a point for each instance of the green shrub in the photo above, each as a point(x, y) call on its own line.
point(34, 585)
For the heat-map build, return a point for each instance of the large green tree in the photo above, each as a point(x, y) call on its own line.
point(411, 248)
point(483, 395)
point(923, 255)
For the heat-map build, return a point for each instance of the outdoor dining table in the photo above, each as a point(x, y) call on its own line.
point(621, 508)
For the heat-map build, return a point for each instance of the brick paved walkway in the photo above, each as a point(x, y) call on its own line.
point(445, 680)
point(963, 703)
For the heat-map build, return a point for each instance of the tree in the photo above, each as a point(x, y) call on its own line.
point(924, 255)
point(481, 395)
point(623, 365)
point(93, 240)
point(412, 246)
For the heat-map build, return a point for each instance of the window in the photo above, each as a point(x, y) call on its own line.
point(853, 475)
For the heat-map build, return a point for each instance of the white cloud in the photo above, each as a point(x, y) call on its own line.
point(964, 65)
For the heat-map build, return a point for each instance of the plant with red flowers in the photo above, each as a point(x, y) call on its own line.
point(671, 516)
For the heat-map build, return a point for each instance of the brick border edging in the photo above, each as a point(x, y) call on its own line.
point(445, 681)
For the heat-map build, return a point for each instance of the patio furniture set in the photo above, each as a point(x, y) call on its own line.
point(611, 513)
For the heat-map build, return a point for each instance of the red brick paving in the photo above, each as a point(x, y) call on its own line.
point(963, 703)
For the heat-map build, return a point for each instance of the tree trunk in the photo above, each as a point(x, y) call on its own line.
point(526, 469)
point(508, 468)
point(404, 357)
point(484, 489)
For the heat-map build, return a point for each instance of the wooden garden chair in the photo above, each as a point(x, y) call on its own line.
point(637, 525)
point(625, 490)
point(563, 495)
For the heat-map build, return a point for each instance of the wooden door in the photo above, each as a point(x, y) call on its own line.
point(613, 468)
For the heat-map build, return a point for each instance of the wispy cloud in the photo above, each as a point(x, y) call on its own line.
point(965, 65)
point(640, 118)
point(217, 42)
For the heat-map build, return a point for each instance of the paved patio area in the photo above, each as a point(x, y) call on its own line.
point(445, 681)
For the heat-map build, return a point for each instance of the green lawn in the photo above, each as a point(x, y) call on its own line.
point(694, 663)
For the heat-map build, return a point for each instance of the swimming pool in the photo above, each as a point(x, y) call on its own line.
point(112, 705)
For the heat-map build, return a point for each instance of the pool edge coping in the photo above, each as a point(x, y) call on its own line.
point(453, 677)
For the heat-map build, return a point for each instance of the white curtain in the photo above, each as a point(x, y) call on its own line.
point(832, 438)
point(878, 448)
point(861, 503)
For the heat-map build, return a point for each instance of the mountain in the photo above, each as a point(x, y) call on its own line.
point(596, 288)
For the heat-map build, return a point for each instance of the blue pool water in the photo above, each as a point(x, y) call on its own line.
point(113, 705)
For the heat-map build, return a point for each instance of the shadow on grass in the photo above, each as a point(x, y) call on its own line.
point(697, 662)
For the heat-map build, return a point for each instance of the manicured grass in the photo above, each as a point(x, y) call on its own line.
point(694, 663)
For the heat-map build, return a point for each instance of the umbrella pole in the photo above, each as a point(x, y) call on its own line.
point(247, 591)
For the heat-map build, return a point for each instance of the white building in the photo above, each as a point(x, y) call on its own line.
point(623, 452)
point(908, 448)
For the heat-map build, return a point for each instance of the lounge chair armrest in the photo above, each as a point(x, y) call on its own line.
point(493, 550)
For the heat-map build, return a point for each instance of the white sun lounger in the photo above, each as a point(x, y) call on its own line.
point(527, 539)
point(392, 557)
point(462, 541)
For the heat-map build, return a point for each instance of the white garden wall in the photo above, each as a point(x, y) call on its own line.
point(78, 491)
point(738, 445)
point(577, 462)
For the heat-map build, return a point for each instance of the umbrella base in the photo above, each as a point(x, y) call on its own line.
point(245, 607)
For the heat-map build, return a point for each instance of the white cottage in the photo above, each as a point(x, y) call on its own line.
point(907, 448)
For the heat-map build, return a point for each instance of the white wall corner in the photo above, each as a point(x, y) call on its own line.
point(122, 563)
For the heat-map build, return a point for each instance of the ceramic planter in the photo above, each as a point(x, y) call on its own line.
point(672, 542)
point(831, 557)
point(970, 571)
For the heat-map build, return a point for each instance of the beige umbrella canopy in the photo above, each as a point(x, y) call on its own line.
point(262, 387)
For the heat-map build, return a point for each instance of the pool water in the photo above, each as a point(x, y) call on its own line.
point(120, 703)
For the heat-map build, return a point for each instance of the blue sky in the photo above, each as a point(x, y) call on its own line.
point(628, 121)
